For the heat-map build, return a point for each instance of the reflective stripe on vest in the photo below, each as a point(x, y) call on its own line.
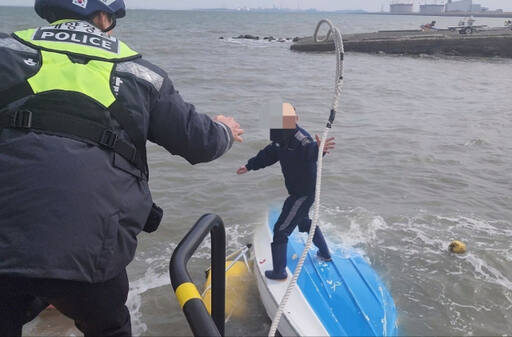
point(58, 72)
point(76, 38)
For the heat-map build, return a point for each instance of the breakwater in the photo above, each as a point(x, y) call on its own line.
point(496, 42)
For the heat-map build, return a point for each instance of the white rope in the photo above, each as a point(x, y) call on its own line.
point(338, 43)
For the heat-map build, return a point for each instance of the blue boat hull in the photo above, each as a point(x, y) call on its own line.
point(347, 295)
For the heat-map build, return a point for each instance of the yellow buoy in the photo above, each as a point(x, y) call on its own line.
point(236, 289)
point(457, 247)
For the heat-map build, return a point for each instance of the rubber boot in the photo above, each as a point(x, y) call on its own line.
point(278, 262)
point(319, 241)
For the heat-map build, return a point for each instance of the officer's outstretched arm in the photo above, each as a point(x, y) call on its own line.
point(175, 125)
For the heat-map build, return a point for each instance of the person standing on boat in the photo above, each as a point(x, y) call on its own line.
point(297, 153)
point(77, 106)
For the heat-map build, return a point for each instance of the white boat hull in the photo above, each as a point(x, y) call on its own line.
point(302, 320)
point(344, 297)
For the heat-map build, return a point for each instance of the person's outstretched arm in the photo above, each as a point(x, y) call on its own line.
point(175, 125)
point(266, 157)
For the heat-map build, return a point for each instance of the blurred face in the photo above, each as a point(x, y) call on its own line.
point(289, 123)
point(290, 117)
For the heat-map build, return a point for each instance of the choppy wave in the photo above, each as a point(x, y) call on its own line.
point(424, 156)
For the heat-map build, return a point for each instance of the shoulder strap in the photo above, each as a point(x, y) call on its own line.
point(15, 93)
point(74, 127)
point(128, 124)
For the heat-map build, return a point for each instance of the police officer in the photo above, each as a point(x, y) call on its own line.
point(76, 108)
point(297, 153)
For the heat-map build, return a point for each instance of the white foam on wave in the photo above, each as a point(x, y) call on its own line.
point(248, 42)
point(353, 228)
point(157, 274)
point(493, 227)
point(430, 234)
point(487, 273)
point(426, 237)
point(261, 43)
point(419, 243)
point(150, 280)
point(475, 142)
point(473, 290)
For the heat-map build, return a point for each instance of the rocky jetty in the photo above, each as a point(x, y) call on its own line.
point(266, 38)
point(486, 43)
point(247, 36)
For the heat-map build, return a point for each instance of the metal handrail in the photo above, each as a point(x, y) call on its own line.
point(201, 323)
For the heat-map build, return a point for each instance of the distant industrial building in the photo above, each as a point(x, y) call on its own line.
point(466, 6)
point(477, 8)
point(436, 7)
point(401, 8)
point(432, 9)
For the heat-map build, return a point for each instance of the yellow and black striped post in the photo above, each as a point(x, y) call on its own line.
point(188, 296)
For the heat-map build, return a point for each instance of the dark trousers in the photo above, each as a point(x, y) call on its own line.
point(295, 213)
point(98, 309)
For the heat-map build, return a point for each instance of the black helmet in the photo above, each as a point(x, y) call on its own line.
point(83, 9)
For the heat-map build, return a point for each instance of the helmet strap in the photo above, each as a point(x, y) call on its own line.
point(112, 26)
point(109, 28)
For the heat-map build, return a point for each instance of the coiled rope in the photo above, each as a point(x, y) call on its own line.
point(338, 43)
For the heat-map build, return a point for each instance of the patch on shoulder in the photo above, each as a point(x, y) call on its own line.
point(141, 72)
point(302, 138)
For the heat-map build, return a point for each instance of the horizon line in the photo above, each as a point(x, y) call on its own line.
point(242, 9)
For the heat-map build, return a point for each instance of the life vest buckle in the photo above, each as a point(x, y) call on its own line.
point(108, 139)
point(22, 119)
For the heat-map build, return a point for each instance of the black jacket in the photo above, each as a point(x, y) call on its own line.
point(71, 210)
point(298, 162)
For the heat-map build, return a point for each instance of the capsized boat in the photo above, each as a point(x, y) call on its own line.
point(344, 297)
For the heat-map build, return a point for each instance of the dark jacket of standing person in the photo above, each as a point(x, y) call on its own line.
point(298, 159)
point(297, 152)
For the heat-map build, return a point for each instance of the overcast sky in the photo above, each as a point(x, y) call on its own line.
point(371, 5)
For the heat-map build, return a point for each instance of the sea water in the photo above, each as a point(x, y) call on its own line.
point(423, 156)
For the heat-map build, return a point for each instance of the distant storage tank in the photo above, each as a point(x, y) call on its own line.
point(401, 8)
point(459, 6)
point(477, 8)
point(432, 9)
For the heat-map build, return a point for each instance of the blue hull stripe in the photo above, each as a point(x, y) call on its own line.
point(347, 295)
